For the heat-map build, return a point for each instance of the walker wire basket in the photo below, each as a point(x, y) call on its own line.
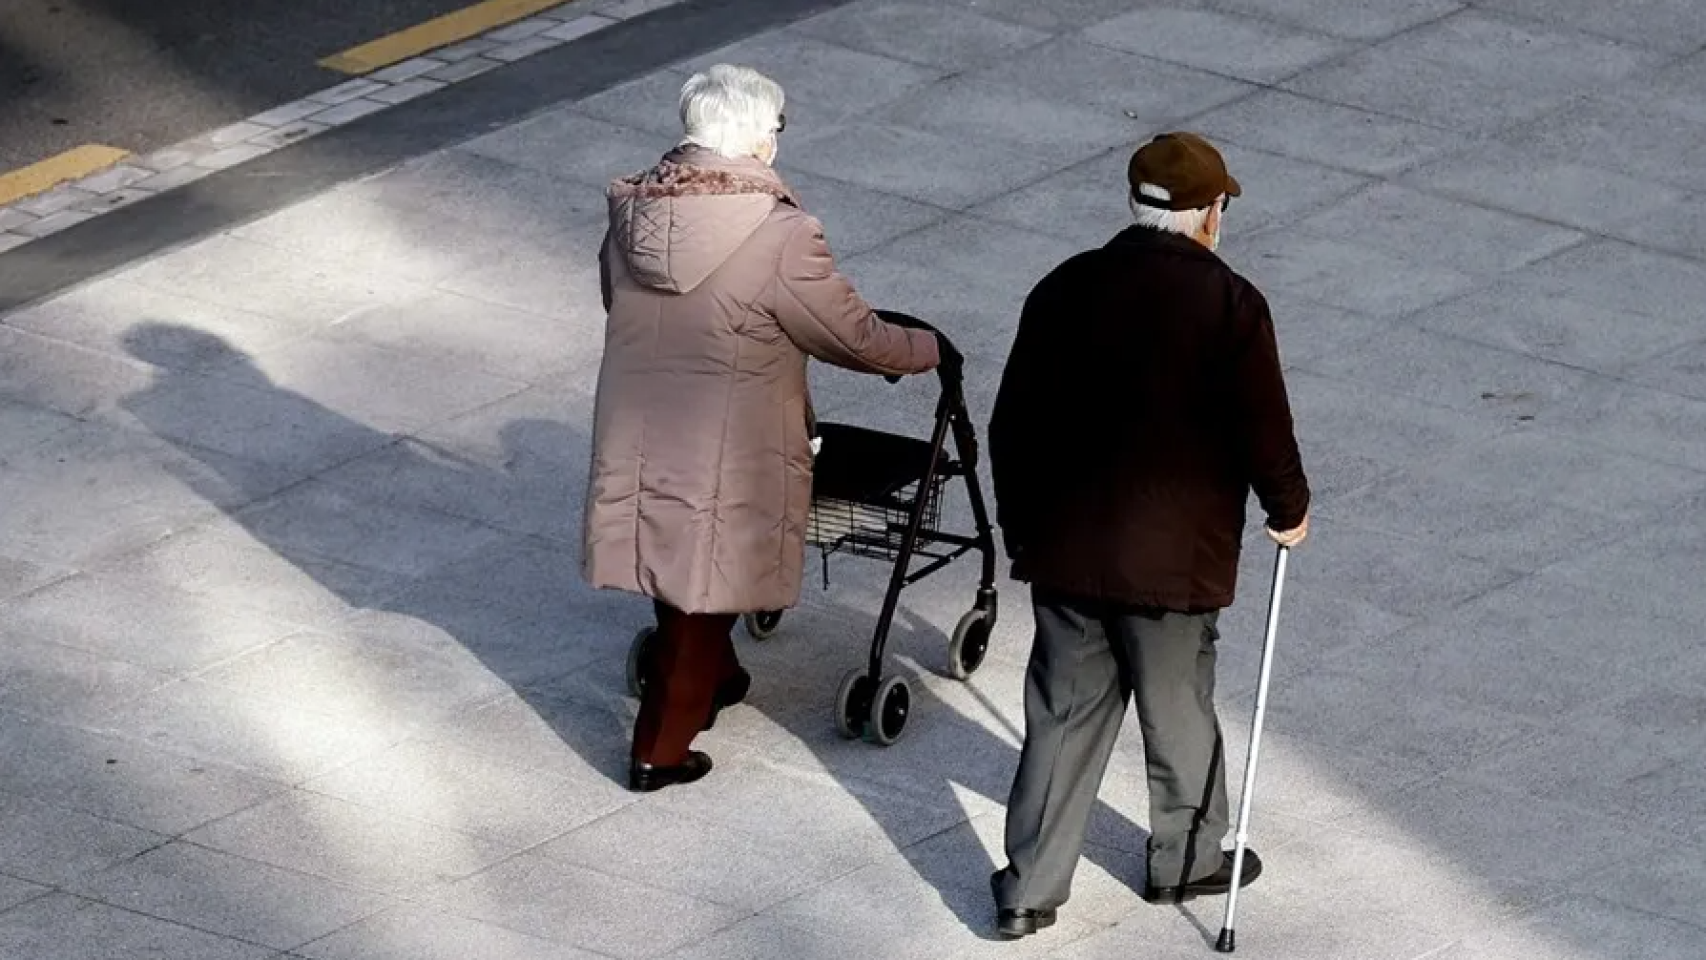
point(879, 495)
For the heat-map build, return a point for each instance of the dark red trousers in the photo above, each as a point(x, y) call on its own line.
point(691, 655)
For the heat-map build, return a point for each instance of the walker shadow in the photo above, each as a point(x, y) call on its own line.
point(592, 722)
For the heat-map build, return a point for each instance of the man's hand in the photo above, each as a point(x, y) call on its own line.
point(1292, 537)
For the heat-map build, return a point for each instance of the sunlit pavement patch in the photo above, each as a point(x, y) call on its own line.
point(131, 179)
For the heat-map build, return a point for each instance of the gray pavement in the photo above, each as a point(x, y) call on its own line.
point(296, 661)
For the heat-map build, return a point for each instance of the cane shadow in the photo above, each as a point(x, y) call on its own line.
point(542, 626)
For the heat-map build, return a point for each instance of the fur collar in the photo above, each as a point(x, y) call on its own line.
point(672, 178)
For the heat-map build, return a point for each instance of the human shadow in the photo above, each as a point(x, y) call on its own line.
point(492, 605)
point(541, 588)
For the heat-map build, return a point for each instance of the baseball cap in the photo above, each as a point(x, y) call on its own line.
point(1179, 171)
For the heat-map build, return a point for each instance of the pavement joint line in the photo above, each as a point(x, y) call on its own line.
point(82, 184)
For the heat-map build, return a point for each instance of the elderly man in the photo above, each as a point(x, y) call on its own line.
point(1141, 403)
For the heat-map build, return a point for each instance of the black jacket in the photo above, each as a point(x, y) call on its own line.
point(1142, 401)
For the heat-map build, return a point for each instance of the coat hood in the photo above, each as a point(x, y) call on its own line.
point(676, 223)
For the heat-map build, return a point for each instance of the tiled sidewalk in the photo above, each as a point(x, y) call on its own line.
point(295, 662)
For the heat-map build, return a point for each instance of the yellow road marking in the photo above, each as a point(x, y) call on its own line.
point(451, 28)
point(70, 165)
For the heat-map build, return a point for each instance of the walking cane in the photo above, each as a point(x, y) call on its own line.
point(1228, 941)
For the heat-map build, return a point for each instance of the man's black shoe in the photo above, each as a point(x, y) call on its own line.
point(1017, 922)
point(645, 778)
point(1220, 881)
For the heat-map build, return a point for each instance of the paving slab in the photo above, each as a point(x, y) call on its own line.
point(389, 671)
point(1581, 191)
point(1673, 137)
point(1587, 476)
point(25, 425)
point(111, 315)
point(970, 109)
point(1667, 885)
point(919, 166)
point(379, 850)
point(223, 894)
point(285, 285)
point(931, 900)
point(121, 780)
point(42, 372)
point(932, 35)
point(1363, 20)
point(1409, 224)
point(1527, 317)
point(553, 274)
point(1552, 931)
point(1654, 424)
point(409, 933)
point(14, 891)
point(63, 925)
point(1539, 624)
point(1350, 275)
point(508, 344)
point(485, 192)
point(543, 897)
point(1630, 772)
point(264, 737)
point(453, 786)
point(52, 845)
point(1474, 73)
point(1346, 138)
point(50, 680)
point(824, 83)
point(648, 103)
point(1152, 92)
point(323, 460)
point(1669, 25)
point(1461, 374)
point(226, 566)
point(1223, 43)
point(314, 521)
point(161, 629)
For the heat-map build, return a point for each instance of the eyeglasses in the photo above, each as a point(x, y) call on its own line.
point(781, 122)
point(1225, 201)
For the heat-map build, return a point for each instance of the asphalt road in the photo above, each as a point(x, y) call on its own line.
point(139, 74)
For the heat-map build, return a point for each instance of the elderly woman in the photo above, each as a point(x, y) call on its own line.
point(718, 288)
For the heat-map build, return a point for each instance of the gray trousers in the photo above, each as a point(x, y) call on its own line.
point(1088, 661)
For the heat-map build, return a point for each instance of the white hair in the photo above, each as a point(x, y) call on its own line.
point(731, 110)
point(1186, 223)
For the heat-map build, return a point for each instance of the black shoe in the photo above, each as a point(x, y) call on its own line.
point(645, 778)
point(1017, 922)
point(729, 692)
point(1218, 882)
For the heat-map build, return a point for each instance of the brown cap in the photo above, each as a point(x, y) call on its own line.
point(1185, 167)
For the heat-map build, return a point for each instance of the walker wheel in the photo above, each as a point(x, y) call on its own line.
point(638, 660)
point(970, 643)
point(890, 709)
point(762, 625)
point(853, 704)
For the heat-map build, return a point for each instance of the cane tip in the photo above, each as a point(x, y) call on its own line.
point(1228, 941)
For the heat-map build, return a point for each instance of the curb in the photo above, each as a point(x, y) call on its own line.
point(137, 178)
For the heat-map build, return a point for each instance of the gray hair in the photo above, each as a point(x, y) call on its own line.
point(730, 110)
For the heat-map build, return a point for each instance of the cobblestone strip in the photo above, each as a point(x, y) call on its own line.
point(137, 178)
